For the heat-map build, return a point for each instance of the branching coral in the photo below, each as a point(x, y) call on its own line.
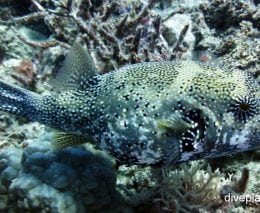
point(186, 189)
point(123, 39)
point(191, 187)
point(116, 33)
point(119, 33)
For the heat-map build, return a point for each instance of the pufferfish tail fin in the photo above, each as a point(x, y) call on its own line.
point(77, 70)
point(62, 140)
point(17, 100)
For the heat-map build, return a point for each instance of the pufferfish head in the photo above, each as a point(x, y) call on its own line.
point(240, 127)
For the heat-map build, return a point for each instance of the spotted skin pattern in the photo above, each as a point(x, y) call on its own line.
point(152, 113)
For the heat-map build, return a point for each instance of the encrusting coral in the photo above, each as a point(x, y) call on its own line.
point(71, 180)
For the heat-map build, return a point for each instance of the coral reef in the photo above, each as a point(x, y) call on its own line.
point(137, 31)
point(237, 11)
point(192, 187)
point(71, 180)
point(239, 45)
point(34, 37)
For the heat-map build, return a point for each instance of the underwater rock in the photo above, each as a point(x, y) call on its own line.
point(32, 34)
point(236, 10)
point(51, 60)
point(3, 202)
point(11, 8)
point(241, 50)
point(173, 27)
point(61, 170)
point(70, 180)
point(29, 193)
point(13, 46)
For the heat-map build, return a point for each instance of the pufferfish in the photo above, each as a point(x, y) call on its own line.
point(154, 113)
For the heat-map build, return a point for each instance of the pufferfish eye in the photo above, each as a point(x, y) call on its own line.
point(244, 108)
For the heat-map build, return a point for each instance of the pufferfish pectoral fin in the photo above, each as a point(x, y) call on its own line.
point(62, 140)
point(173, 129)
point(77, 69)
point(175, 124)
